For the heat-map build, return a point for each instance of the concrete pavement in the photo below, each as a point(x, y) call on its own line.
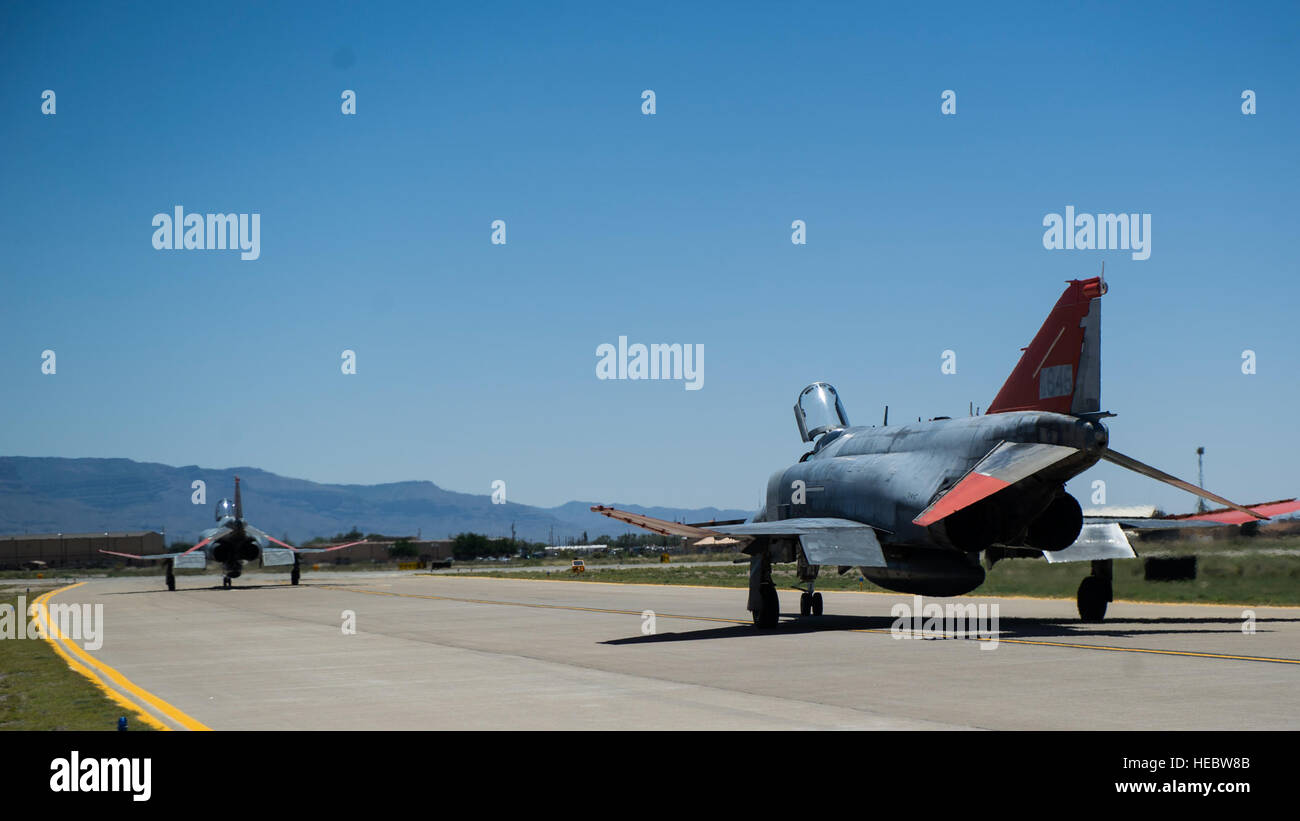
point(448, 652)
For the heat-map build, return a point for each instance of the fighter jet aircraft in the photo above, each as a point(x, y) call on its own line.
point(234, 543)
point(914, 506)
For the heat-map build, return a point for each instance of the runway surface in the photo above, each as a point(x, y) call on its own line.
point(447, 652)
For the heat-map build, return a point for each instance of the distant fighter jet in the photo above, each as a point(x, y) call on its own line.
point(233, 543)
point(914, 506)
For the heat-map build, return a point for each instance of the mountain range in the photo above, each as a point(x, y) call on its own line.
point(59, 495)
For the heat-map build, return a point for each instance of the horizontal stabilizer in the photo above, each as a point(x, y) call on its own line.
point(1005, 465)
point(216, 536)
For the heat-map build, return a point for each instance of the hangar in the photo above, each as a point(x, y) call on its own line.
point(74, 549)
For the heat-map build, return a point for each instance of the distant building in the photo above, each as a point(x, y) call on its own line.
point(377, 551)
point(74, 549)
point(551, 550)
point(1124, 511)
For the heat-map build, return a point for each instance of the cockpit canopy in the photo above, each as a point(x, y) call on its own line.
point(225, 509)
point(819, 410)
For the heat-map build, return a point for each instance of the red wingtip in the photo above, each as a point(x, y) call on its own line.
point(1229, 516)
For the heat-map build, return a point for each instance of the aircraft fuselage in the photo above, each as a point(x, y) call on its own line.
point(235, 549)
point(885, 477)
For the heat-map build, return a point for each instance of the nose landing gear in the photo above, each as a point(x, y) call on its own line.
point(810, 603)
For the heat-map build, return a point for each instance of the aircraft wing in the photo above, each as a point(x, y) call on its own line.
point(1140, 524)
point(216, 535)
point(322, 549)
point(1102, 537)
point(1213, 518)
point(150, 557)
point(1229, 516)
point(825, 541)
point(263, 535)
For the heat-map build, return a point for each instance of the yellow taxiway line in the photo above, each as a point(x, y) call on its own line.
point(97, 671)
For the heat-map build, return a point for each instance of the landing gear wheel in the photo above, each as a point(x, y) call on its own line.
point(225, 582)
point(805, 604)
point(816, 604)
point(293, 575)
point(1094, 595)
point(769, 614)
point(171, 582)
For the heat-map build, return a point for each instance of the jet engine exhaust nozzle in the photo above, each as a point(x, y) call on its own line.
point(1058, 526)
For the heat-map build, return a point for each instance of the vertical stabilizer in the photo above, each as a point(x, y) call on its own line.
point(1060, 371)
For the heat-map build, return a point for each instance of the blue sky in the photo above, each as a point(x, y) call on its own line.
point(477, 361)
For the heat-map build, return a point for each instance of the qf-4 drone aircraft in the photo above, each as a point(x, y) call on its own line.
point(914, 506)
point(234, 543)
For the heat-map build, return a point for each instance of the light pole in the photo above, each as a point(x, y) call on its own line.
point(1200, 478)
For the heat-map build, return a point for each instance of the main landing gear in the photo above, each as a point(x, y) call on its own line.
point(225, 582)
point(171, 578)
point(764, 604)
point(1095, 591)
point(295, 573)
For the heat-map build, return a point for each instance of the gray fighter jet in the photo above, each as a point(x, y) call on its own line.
point(915, 506)
point(233, 543)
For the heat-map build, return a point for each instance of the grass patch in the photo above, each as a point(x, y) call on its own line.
point(39, 691)
point(1247, 572)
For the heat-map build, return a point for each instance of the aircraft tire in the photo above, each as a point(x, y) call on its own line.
point(805, 604)
point(1094, 595)
point(816, 604)
point(293, 576)
point(767, 617)
point(171, 582)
